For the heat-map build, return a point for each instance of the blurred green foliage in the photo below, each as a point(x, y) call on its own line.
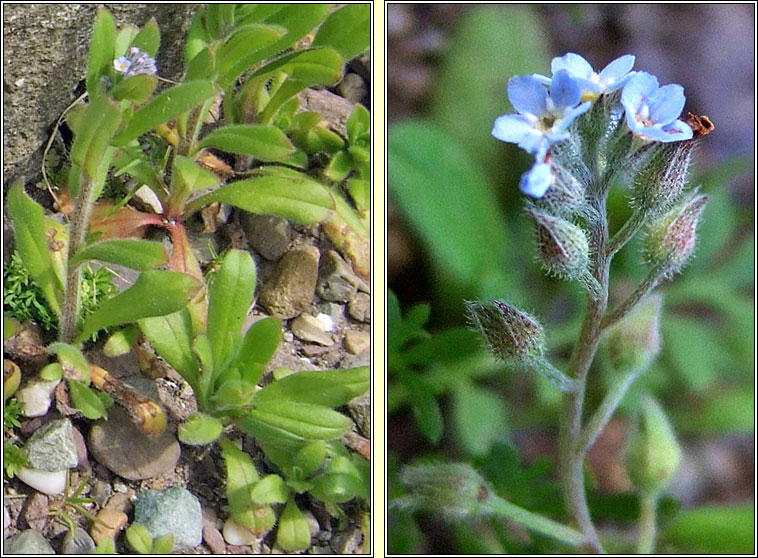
point(456, 187)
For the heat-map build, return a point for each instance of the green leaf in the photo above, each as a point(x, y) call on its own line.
point(266, 143)
point(91, 142)
point(310, 457)
point(171, 336)
point(713, 530)
point(155, 293)
point(129, 252)
point(149, 38)
point(293, 533)
point(270, 490)
point(71, 356)
point(139, 538)
point(120, 342)
point(339, 167)
point(200, 429)
point(337, 488)
point(279, 192)
point(201, 346)
point(298, 20)
point(358, 123)
point(124, 38)
point(52, 372)
point(136, 89)
point(331, 388)
point(259, 344)
point(348, 30)
point(232, 394)
point(479, 418)
point(164, 544)
point(169, 104)
point(201, 66)
point(448, 201)
point(188, 177)
point(29, 227)
point(312, 66)
point(101, 49)
point(428, 415)
point(229, 299)
point(106, 546)
point(241, 476)
point(248, 46)
point(197, 37)
point(86, 400)
point(306, 421)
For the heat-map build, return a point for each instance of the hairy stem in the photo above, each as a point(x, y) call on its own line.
point(625, 233)
point(647, 285)
point(646, 541)
point(535, 521)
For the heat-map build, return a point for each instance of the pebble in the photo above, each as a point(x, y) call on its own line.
point(35, 512)
point(115, 521)
point(310, 329)
point(45, 481)
point(352, 87)
point(145, 196)
point(313, 525)
point(237, 534)
point(174, 510)
point(347, 542)
point(211, 535)
point(291, 289)
point(360, 308)
point(6, 519)
point(36, 396)
point(52, 447)
point(101, 491)
point(337, 281)
point(268, 235)
point(357, 342)
point(28, 541)
point(326, 320)
point(78, 542)
point(360, 410)
point(119, 445)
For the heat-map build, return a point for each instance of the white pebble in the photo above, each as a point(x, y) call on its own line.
point(326, 319)
point(236, 534)
point(44, 481)
point(36, 396)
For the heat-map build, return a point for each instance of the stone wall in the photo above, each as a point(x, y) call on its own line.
point(45, 59)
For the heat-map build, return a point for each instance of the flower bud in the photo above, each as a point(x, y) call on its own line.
point(566, 195)
point(635, 341)
point(510, 334)
point(661, 179)
point(653, 454)
point(562, 246)
point(455, 490)
point(670, 239)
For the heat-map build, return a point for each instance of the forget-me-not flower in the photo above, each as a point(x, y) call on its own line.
point(652, 112)
point(135, 62)
point(537, 180)
point(544, 117)
point(593, 84)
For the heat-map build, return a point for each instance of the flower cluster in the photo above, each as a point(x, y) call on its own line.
point(545, 114)
point(136, 62)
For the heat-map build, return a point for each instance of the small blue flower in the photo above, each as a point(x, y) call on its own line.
point(122, 64)
point(652, 111)
point(537, 180)
point(544, 117)
point(136, 62)
point(592, 84)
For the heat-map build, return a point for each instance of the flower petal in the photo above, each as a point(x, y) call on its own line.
point(570, 115)
point(677, 131)
point(544, 80)
point(512, 128)
point(617, 69)
point(565, 91)
point(537, 180)
point(640, 86)
point(527, 95)
point(574, 64)
point(667, 103)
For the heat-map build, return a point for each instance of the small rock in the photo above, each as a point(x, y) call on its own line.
point(119, 445)
point(204, 245)
point(211, 535)
point(237, 534)
point(6, 519)
point(52, 447)
point(28, 541)
point(337, 282)
point(326, 320)
point(146, 198)
point(36, 396)
point(357, 342)
point(352, 87)
point(49, 482)
point(77, 541)
point(347, 542)
point(268, 235)
point(101, 491)
point(313, 525)
point(81, 449)
point(114, 521)
point(360, 308)
point(354, 361)
point(291, 289)
point(35, 512)
point(174, 510)
point(360, 410)
point(307, 328)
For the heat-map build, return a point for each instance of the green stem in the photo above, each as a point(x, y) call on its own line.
point(625, 233)
point(647, 285)
point(648, 505)
point(534, 521)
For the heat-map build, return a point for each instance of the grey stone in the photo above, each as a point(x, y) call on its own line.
point(307, 328)
point(357, 342)
point(337, 282)
point(268, 235)
point(52, 447)
point(77, 541)
point(360, 410)
point(347, 542)
point(174, 510)
point(119, 445)
point(45, 56)
point(352, 87)
point(360, 308)
point(293, 284)
point(28, 541)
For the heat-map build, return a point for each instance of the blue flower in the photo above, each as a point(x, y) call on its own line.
point(122, 64)
point(544, 117)
point(136, 62)
point(652, 111)
point(537, 180)
point(592, 84)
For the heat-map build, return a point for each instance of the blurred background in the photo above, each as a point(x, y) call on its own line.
point(457, 232)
